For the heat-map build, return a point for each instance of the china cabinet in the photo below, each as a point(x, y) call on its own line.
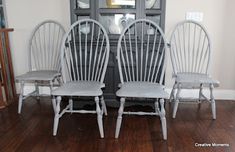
point(114, 15)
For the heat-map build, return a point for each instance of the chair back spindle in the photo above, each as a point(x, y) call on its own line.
point(85, 52)
point(44, 46)
point(141, 52)
point(190, 48)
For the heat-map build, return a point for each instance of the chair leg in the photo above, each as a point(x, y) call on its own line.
point(156, 105)
point(172, 95)
point(213, 106)
point(200, 93)
point(71, 105)
point(119, 119)
point(21, 97)
point(37, 91)
point(99, 117)
point(57, 115)
point(176, 101)
point(163, 119)
point(104, 109)
point(54, 103)
point(51, 86)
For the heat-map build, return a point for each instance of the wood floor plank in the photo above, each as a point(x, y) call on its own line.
point(32, 130)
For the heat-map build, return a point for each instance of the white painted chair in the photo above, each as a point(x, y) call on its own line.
point(190, 51)
point(44, 58)
point(84, 55)
point(141, 59)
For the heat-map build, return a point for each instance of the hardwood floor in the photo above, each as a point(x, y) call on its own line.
point(32, 130)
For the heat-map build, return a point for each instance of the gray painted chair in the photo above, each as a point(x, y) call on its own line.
point(190, 51)
point(141, 59)
point(44, 58)
point(84, 58)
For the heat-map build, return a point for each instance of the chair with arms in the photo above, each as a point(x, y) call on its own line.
point(141, 56)
point(84, 58)
point(190, 51)
point(44, 58)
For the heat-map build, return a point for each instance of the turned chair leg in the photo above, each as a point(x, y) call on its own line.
point(57, 115)
point(163, 119)
point(176, 101)
point(104, 109)
point(54, 103)
point(37, 91)
point(119, 118)
point(71, 105)
point(51, 86)
point(156, 106)
point(99, 117)
point(200, 93)
point(172, 95)
point(21, 97)
point(212, 99)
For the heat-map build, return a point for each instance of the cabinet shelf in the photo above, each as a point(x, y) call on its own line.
point(82, 12)
point(155, 11)
point(116, 11)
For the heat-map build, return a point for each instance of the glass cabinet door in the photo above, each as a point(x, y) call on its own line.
point(83, 4)
point(152, 4)
point(115, 23)
point(115, 14)
point(154, 18)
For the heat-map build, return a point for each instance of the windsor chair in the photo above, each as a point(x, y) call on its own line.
point(84, 58)
point(44, 59)
point(190, 51)
point(141, 56)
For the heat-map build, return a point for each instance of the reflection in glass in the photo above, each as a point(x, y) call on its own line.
point(117, 3)
point(150, 4)
point(154, 18)
point(115, 23)
point(83, 4)
point(84, 29)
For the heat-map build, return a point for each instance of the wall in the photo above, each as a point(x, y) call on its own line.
point(213, 21)
point(228, 52)
point(23, 15)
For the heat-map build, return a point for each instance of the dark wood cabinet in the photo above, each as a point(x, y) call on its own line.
point(114, 15)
